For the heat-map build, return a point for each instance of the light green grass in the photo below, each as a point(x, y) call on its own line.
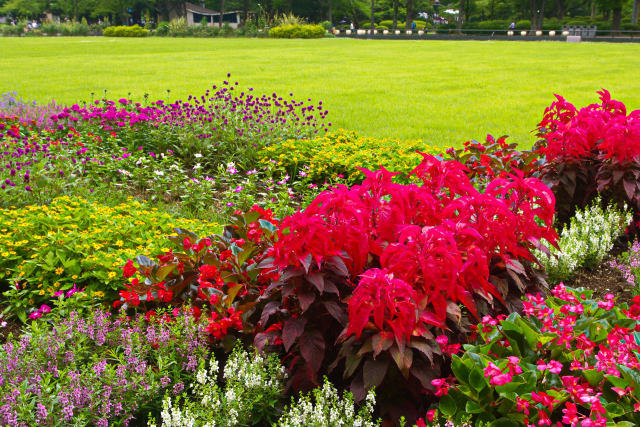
point(443, 92)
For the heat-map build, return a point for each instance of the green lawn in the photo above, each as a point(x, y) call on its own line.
point(443, 92)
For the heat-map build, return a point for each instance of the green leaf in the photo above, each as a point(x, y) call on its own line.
point(473, 408)
point(593, 376)
point(477, 379)
point(448, 405)
point(460, 370)
point(267, 225)
point(504, 422)
point(614, 409)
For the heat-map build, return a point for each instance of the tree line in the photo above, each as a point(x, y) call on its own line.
point(339, 12)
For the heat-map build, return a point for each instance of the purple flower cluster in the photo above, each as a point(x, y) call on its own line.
point(98, 368)
point(221, 110)
point(629, 263)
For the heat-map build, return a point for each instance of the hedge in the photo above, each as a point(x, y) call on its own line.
point(123, 31)
point(297, 32)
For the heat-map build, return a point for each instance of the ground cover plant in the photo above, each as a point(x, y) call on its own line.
point(96, 368)
point(74, 243)
point(341, 153)
point(570, 360)
point(420, 97)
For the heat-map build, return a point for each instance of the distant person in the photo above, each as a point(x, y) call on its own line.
point(512, 26)
point(413, 25)
point(351, 26)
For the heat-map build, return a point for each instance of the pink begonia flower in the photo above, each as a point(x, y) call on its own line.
point(431, 413)
point(491, 370)
point(442, 386)
point(553, 366)
point(500, 379)
point(44, 308)
point(35, 315)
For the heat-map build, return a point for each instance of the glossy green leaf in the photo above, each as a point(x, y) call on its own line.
point(477, 379)
point(448, 405)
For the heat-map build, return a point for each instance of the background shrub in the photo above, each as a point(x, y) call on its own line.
point(125, 31)
point(524, 24)
point(297, 32)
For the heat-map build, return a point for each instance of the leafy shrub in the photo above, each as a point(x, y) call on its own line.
point(75, 28)
point(13, 30)
point(404, 256)
point(51, 28)
point(125, 31)
point(551, 24)
point(325, 407)
point(98, 369)
point(523, 24)
point(585, 241)
point(252, 390)
point(590, 151)
point(218, 273)
point(420, 25)
point(178, 27)
point(325, 158)
point(488, 160)
point(297, 32)
point(162, 29)
point(85, 241)
point(326, 25)
point(496, 24)
point(569, 359)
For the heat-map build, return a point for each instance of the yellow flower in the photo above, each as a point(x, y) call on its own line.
point(119, 243)
point(98, 294)
point(111, 274)
point(74, 277)
point(56, 284)
point(59, 270)
point(41, 292)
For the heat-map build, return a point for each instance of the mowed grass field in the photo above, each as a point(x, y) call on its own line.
point(444, 92)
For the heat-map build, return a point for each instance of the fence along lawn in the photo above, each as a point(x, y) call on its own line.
point(443, 92)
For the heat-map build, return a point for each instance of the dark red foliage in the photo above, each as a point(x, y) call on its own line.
point(389, 265)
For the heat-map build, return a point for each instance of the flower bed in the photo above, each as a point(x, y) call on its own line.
point(409, 283)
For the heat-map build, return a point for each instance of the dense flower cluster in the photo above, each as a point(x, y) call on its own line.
point(51, 248)
point(602, 129)
point(591, 151)
point(96, 369)
point(253, 384)
point(569, 361)
point(585, 241)
point(436, 240)
point(340, 153)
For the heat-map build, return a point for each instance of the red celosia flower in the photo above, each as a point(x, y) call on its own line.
point(128, 269)
point(388, 302)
